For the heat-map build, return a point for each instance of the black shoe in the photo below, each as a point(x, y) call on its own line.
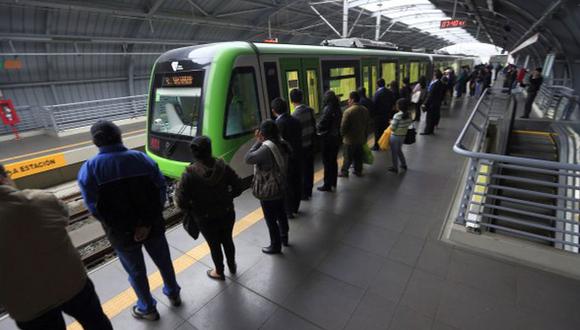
point(139, 315)
point(233, 268)
point(525, 117)
point(284, 240)
point(175, 300)
point(219, 277)
point(343, 175)
point(290, 216)
point(404, 167)
point(425, 133)
point(324, 188)
point(392, 169)
point(271, 250)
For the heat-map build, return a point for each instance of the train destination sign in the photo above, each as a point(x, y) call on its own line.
point(452, 23)
point(183, 79)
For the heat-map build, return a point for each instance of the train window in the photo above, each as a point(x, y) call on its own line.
point(243, 107)
point(402, 73)
point(272, 84)
point(423, 70)
point(312, 80)
point(176, 111)
point(292, 81)
point(414, 72)
point(342, 81)
point(389, 71)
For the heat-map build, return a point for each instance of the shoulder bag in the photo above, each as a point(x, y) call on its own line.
point(270, 184)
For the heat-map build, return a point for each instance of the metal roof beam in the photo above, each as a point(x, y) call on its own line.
point(72, 39)
point(198, 7)
point(473, 7)
point(553, 8)
point(240, 12)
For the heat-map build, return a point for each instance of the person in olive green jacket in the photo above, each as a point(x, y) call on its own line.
point(354, 129)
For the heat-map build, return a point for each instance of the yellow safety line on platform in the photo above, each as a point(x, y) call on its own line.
point(127, 298)
point(64, 147)
point(540, 133)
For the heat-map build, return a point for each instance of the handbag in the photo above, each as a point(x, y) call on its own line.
point(368, 157)
point(270, 184)
point(190, 225)
point(411, 136)
point(384, 141)
point(416, 97)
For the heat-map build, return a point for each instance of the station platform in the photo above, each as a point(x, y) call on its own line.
point(42, 161)
point(368, 256)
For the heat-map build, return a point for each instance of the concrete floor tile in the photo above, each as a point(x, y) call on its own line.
point(391, 280)
point(423, 292)
point(186, 326)
point(285, 320)
point(407, 249)
point(371, 238)
point(324, 300)
point(274, 277)
point(234, 308)
point(351, 265)
point(109, 280)
point(435, 258)
point(406, 318)
point(373, 312)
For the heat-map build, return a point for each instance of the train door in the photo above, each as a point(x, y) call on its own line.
point(311, 70)
point(403, 72)
point(271, 80)
point(389, 71)
point(369, 76)
point(292, 77)
point(414, 72)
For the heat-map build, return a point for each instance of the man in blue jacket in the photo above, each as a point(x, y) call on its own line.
point(126, 192)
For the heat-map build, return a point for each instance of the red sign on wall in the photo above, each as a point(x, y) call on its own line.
point(8, 113)
point(452, 23)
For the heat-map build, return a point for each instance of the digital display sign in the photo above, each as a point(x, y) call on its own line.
point(452, 23)
point(182, 79)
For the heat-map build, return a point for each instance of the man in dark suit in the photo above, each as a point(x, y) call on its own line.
point(291, 131)
point(383, 107)
point(432, 105)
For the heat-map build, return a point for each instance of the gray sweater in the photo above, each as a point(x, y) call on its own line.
point(261, 156)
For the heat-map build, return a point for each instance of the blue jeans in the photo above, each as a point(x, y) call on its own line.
point(396, 144)
point(131, 258)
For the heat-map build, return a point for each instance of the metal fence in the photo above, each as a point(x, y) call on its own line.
point(558, 102)
point(484, 180)
point(62, 117)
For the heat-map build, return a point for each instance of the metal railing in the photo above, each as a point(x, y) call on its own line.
point(81, 114)
point(558, 102)
point(485, 180)
point(62, 117)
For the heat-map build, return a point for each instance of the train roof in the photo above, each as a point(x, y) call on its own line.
point(210, 50)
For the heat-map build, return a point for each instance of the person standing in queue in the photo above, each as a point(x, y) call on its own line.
point(291, 131)
point(533, 89)
point(418, 97)
point(383, 101)
point(305, 115)
point(207, 190)
point(41, 272)
point(399, 126)
point(406, 90)
point(270, 155)
point(366, 102)
point(394, 86)
point(329, 129)
point(126, 192)
point(354, 128)
point(433, 103)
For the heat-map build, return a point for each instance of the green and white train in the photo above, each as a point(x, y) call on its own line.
point(223, 91)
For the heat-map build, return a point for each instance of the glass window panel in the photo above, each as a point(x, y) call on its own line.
point(414, 72)
point(292, 81)
point(243, 112)
point(338, 72)
point(402, 73)
point(312, 79)
point(389, 72)
point(366, 76)
point(176, 111)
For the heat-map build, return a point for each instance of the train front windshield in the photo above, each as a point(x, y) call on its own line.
point(176, 111)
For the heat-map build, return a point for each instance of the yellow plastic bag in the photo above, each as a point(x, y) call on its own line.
point(384, 140)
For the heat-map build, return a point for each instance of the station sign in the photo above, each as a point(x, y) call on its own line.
point(36, 165)
point(183, 79)
point(452, 23)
